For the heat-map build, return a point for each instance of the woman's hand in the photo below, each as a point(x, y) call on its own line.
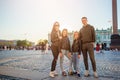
point(78, 56)
point(61, 55)
point(60, 37)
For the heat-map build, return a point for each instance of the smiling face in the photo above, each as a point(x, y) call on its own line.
point(64, 32)
point(76, 35)
point(84, 20)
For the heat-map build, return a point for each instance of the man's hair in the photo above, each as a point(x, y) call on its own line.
point(84, 17)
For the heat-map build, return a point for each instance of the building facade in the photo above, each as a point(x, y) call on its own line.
point(104, 36)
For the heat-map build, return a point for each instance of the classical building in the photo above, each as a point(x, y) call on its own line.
point(104, 35)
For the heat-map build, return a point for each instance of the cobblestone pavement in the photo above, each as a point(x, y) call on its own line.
point(38, 63)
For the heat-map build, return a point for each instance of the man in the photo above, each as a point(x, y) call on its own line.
point(87, 36)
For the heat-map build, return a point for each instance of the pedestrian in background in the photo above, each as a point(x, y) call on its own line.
point(97, 47)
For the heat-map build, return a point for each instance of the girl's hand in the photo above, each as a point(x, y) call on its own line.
point(79, 56)
point(69, 54)
point(61, 55)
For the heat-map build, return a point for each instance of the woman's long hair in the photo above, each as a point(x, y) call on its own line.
point(53, 29)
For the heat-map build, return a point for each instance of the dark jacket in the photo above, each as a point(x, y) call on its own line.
point(65, 44)
point(87, 34)
point(55, 38)
point(76, 46)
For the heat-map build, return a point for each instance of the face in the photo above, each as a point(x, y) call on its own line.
point(84, 21)
point(56, 26)
point(64, 33)
point(76, 35)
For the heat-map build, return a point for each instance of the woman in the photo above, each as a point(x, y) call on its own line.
point(55, 39)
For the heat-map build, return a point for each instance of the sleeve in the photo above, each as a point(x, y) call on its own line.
point(69, 45)
point(93, 34)
point(80, 46)
point(80, 35)
point(60, 46)
point(72, 47)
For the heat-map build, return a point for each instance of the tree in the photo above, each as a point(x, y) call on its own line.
point(42, 41)
point(22, 43)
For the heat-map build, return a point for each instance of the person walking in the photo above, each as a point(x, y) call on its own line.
point(55, 39)
point(87, 35)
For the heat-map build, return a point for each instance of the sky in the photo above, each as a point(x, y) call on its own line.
point(34, 19)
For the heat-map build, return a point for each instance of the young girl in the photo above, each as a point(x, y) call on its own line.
point(65, 50)
point(55, 39)
point(76, 51)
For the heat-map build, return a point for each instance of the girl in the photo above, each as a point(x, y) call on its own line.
point(65, 50)
point(76, 51)
point(55, 39)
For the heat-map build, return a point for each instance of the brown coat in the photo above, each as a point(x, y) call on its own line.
point(65, 44)
point(87, 34)
point(55, 38)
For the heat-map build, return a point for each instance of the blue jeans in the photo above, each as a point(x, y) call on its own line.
point(76, 62)
point(65, 53)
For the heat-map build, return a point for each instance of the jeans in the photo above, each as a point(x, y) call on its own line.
point(76, 62)
point(65, 53)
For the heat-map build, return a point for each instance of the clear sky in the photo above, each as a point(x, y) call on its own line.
point(33, 19)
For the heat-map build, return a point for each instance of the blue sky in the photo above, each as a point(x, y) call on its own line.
point(33, 19)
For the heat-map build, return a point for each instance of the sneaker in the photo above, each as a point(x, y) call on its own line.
point(55, 73)
point(86, 73)
point(95, 74)
point(64, 73)
point(74, 72)
point(78, 75)
point(52, 74)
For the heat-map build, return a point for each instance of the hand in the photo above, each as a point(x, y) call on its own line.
point(79, 56)
point(60, 37)
point(61, 55)
point(69, 54)
point(93, 43)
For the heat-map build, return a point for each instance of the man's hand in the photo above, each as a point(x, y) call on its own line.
point(93, 43)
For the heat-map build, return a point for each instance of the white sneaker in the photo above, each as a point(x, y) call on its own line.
point(52, 74)
point(95, 74)
point(86, 73)
point(55, 73)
